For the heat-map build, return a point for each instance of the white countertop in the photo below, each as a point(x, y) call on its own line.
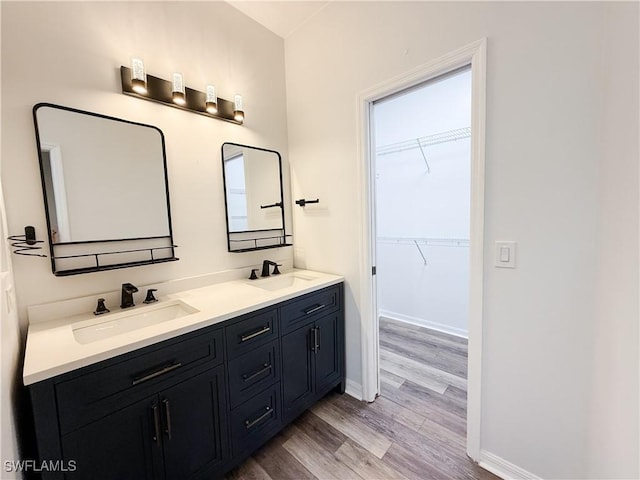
point(53, 350)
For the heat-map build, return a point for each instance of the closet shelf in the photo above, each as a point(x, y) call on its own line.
point(429, 140)
point(426, 241)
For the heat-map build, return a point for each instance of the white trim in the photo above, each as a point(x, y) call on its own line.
point(353, 389)
point(476, 250)
point(474, 54)
point(423, 322)
point(369, 330)
point(504, 469)
point(59, 191)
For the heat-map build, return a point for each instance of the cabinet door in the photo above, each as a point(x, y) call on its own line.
point(122, 445)
point(194, 425)
point(297, 378)
point(328, 357)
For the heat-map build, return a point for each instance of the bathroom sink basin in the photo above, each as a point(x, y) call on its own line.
point(279, 282)
point(110, 325)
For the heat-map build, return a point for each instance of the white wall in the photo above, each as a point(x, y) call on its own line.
point(9, 351)
point(434, 294)
point(9, 339)
point(70, 53)
point(544, 110)
point(615, 403)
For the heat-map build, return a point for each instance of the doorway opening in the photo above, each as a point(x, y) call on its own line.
point(473, 57)
point(422, 168)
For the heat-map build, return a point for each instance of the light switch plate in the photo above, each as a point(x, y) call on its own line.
point(506, 254)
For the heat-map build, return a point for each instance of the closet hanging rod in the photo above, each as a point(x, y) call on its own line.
point(427, 141)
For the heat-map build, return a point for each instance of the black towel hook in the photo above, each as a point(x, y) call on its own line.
point(302, 202)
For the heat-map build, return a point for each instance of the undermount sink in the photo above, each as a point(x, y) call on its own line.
point(113, 324)
point(279, 282)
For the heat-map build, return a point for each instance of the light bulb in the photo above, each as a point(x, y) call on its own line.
point(138, 76)
point(212, 100)
point(177, 94)
point(238, 112)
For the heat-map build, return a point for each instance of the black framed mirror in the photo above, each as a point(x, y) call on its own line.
point(106, 192)
point(254, 198)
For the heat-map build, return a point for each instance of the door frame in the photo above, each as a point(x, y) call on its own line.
point(59, 191)
point(473, 54)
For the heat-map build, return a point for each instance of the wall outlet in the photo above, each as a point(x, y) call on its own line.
point(505, 254)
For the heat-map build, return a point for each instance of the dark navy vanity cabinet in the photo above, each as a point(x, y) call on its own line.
point(197, 405)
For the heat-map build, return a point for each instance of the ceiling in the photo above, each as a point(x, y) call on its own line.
point(281, 17)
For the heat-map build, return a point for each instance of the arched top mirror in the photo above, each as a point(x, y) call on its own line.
point(105, 189)
point(254, 199)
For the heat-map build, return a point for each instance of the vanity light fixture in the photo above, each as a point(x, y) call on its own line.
point(138, 76)
point(212, 99)
point(238, 111)
point(177, 94)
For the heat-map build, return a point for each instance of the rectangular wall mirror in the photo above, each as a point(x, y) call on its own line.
point(105, 189)
point(254, 198)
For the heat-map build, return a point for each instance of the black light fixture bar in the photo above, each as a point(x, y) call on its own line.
point(160, 91)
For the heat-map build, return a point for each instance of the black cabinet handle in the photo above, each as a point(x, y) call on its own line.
point(157, 373)
point(265, 329)
point(318, 338)
point(315, 308)
point(156, 423)
point(250, 423)
point(316, 344)
point(167, 413)
point(265, 368)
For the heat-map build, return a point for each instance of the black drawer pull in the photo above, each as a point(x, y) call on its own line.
point(155, 374)
point(315, 308)
point(265, 368)
point(248, 424)
point(265, 329)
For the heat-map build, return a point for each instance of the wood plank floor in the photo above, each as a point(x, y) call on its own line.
point(416, 429)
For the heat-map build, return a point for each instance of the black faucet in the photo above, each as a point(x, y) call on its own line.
point(265, 268)
point(127, 295)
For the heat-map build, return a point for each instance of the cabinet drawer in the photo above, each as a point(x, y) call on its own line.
point(90, 396)
point(253, 422)
point(253, 372)
point(310, 307)
point(253, 330)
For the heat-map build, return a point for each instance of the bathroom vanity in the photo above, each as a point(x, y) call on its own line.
point(190, 397)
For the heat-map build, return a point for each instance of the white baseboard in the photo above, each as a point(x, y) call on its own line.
point(504, 469)
point(421, 322)
point(353, 389)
